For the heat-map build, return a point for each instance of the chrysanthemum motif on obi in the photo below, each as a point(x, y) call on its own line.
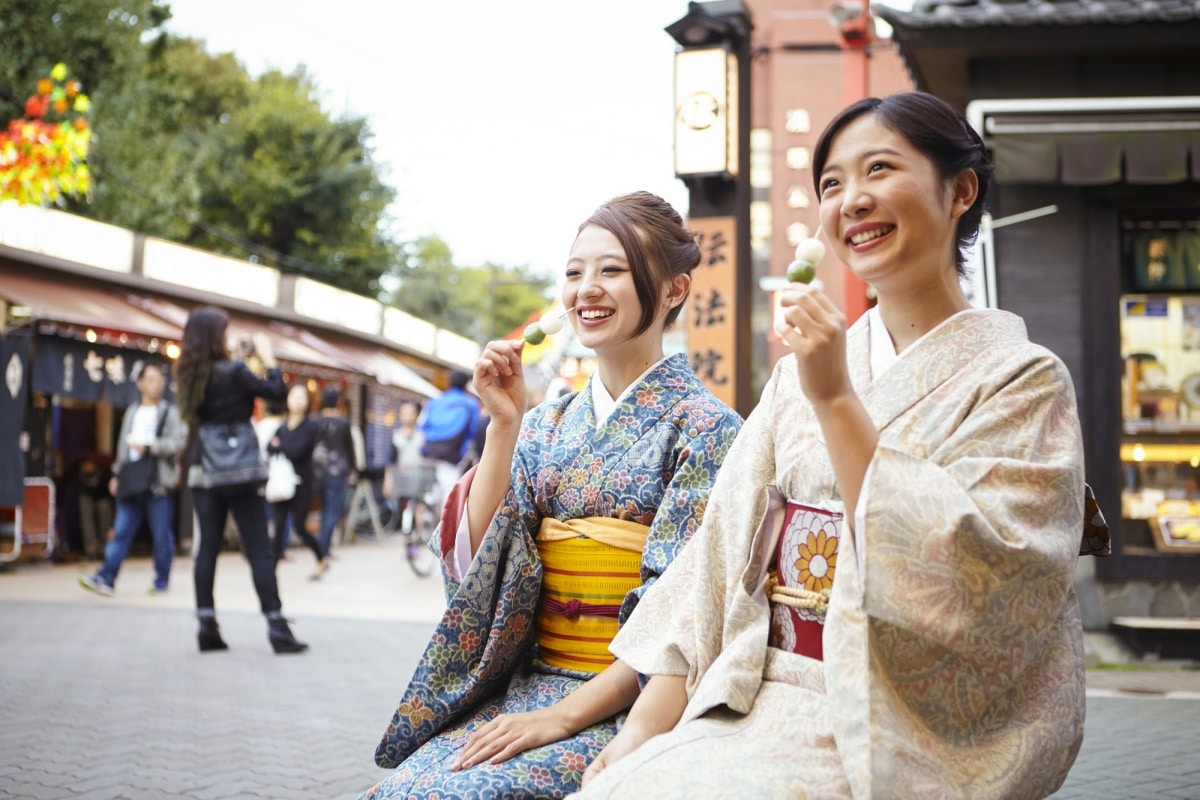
point(801, 578)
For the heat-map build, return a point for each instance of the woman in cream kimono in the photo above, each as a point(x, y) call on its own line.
point(549, 543)
point(926, 644)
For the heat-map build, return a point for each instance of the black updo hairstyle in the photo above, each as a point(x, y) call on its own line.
point(938, 131)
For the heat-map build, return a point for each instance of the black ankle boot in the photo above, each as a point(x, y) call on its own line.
point(281, 637)
point(209, 635)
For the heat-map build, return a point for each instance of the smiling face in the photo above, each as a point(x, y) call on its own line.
point(885, 210)
point(599, 285)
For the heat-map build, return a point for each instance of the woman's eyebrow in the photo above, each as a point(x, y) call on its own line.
point(878, 151)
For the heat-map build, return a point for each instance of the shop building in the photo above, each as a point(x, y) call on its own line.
point(1092, 112)
point(85, 305)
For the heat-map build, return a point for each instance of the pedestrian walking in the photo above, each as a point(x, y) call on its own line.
point(146, 475)
point(295, 440)
point(333, 464)
point(226, 469)
point(449, 427)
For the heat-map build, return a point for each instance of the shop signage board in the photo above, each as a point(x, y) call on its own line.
point(66, 236)
point(711, 331)
point(90, 372)
point(187, 266)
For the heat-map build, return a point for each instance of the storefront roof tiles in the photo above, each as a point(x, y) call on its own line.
point(1024, 13)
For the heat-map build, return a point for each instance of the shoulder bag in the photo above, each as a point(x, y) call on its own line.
point(136, 477)
point(281, 479)
point(229, 454)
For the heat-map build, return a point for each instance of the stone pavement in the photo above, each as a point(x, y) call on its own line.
point(107, 698)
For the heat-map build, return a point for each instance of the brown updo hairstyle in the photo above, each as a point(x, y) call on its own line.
point(657, 244)
point(939, 132)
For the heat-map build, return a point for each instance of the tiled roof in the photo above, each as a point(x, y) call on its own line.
point(1024, 13)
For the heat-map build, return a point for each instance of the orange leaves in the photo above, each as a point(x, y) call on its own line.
point(43, 157)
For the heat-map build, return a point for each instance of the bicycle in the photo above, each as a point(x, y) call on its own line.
point(411, 512)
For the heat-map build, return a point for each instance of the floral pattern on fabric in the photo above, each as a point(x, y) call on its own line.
point(653, 461)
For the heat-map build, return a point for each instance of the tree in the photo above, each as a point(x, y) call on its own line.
point(305, 189)
point(480, 303)
point(153, 125)
point(189, 148)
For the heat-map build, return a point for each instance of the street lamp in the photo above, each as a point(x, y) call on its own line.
point(712, 151)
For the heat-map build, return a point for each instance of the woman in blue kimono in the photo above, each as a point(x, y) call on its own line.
point(572, 512)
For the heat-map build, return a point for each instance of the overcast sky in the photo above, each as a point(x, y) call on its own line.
point(501, 125)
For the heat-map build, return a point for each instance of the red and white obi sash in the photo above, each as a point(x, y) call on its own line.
point(801, 577)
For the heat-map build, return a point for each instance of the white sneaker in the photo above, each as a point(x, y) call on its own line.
point(96, 585)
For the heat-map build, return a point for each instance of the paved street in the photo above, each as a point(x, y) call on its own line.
point(105, 698)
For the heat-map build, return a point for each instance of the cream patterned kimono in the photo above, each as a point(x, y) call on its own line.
point(953, 656)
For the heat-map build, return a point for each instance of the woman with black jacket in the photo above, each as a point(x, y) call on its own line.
point(296, 439)
point(215, 390)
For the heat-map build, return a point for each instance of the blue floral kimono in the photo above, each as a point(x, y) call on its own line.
point(652, 462)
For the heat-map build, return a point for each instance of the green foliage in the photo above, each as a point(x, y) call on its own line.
point(481, 303)
point(100, 39)
point(305, 187)
point(188, 147)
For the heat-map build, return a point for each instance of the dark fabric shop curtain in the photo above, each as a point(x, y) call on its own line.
point(14, 369)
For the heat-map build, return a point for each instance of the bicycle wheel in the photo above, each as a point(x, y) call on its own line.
point(417, 552)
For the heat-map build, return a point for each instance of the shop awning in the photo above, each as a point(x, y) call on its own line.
point(106, 312)
point(293, 354)
point(372, 361)
point(1092, 141)
point(301, 350)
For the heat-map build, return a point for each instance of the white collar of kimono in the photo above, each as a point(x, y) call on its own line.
point(603, 402)
point(883, 349)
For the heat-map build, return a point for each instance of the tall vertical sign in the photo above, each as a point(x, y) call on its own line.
point(712, 149)
point(712, 304)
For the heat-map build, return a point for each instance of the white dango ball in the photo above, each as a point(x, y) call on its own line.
point(810, 250)
point(551, 324)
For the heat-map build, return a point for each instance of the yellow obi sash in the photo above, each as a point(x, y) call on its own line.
point(588, 566)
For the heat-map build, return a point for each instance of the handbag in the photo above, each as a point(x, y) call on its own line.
point(137, 477)
point(229, 454)
point(281, 479)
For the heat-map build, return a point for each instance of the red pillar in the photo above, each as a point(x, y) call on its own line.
point(855, 37)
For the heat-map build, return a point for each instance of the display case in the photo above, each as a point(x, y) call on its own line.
point(1160, 445)
point(1160, 498)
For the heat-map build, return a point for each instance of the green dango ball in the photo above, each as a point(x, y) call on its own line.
point(534, 333)
point(801, 272)
point(808, 254)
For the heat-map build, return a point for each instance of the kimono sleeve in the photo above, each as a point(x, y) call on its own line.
point(969, 560)
point(990, 518)
point(485, 631)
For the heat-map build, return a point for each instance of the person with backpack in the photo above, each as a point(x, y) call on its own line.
point(449, 426)
point(146, 473)
point(333, 464)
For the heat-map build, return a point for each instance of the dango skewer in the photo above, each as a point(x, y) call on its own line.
point(548, 325)
point(809, 253)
